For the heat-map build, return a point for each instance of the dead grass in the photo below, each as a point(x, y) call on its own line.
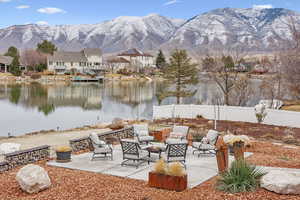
point(291, 108)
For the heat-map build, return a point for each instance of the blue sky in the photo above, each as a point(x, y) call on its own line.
point(94, 11)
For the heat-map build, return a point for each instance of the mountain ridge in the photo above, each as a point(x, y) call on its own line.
point(254, 29)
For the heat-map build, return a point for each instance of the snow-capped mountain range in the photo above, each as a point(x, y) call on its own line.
point(256, 29)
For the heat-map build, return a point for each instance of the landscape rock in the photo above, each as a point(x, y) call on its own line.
point(282, 182)
point(117, 123)
point(9, 148)
point(102, 125)
point(33, 178)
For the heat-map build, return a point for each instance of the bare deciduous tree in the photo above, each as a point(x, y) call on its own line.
point(242, 91)
point(221, 71)
point(32, 58)
point(290, 60)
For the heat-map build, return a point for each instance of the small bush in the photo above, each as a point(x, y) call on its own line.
point(199, 117)
point(35, 76)
point(176, 169)
point(241, 177)
point(63, 149)
point(160, 167)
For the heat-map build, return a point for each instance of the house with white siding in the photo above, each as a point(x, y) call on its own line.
point(138, 58)
point(5, 61)
point(85, 61)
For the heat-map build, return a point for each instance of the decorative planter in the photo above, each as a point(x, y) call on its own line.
point(162, 181)
point(63, 156)
point(114, 128)
point(161, 135)
point(238, 150)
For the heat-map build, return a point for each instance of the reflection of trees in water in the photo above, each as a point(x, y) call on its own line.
point(47, 98)
point(131, 93)
point(86, 96)
point(15, 93)
point(46, 109)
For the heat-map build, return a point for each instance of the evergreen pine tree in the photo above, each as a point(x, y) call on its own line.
point(160, 60)
point(182, 73)
point(14, 67)
point(46, 47)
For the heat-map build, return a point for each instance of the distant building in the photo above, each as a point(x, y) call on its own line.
point(117, 63)
point(5, 61)
point(138, 58)
point(85, 61)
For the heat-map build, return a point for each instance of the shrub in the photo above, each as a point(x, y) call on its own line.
point(35, 76)
point(241, 177)
point(63, 149)
point(160, 167)
point(176, 169)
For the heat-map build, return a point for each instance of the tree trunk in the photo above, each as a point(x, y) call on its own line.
point(226, 99)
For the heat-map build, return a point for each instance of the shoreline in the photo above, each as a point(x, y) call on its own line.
point(52, 79)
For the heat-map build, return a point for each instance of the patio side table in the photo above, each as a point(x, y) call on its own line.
point(156, 150)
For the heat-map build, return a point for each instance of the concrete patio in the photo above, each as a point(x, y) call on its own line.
point(199, 169)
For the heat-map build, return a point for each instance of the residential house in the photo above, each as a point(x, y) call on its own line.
point(116, 63)
point(138, 58)
point(86, 61)
point(5, 61)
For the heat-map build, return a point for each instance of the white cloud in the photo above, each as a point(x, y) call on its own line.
point(170, 2)
point(42, 23)
point(4, 1)
point(265, 6)
point(51, 10)
point(22, 7)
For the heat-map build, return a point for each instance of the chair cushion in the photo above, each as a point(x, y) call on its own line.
point(173, 159)
point(175, 141)
point(146, 138)
point(176, 135)
point(140, 128)
point(202, 146)
point(142, 154)
point(103, 150)
point(212, 136)
point(95, 140)
point(181, 129)
point(143, 133)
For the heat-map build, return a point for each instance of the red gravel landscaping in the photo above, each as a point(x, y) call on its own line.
point(72, 184)
point(258, 131)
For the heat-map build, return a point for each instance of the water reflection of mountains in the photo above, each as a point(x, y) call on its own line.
point(46, 98)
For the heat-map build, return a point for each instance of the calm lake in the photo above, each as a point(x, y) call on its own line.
point(27, 108)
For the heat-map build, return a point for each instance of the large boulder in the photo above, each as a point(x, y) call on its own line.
point(33, 178)
point(9, 148)
point(117, 123)
point(282, 182)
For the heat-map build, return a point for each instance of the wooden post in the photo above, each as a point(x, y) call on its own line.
point(222, 155)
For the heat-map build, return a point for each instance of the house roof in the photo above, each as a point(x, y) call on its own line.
point(118, 60)
point(7, 60)
point(92, 51)
point(134, 52)
point(65, 56)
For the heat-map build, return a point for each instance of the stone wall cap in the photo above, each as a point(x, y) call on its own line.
point(27, 150)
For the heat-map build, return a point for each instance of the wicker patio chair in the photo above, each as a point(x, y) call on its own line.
point(176, 152)
point(141, 131)
point(133, 155)
point(100, 148)
point(178, 134)
point(207, 144)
